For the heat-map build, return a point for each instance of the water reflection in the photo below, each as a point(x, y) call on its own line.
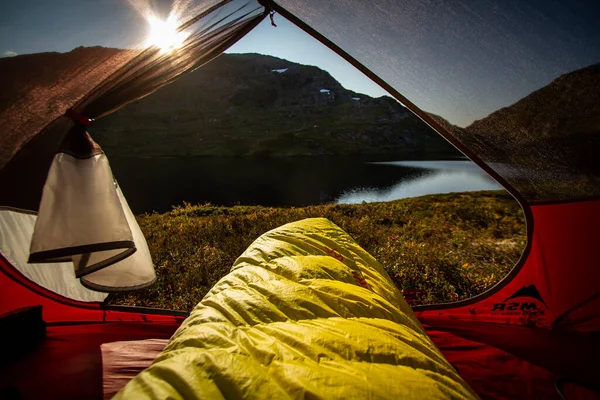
point(156, 184)
point(437, 177)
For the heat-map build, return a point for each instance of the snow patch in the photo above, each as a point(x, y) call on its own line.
point(325, 91)
point(279, 71)
point(356, 98)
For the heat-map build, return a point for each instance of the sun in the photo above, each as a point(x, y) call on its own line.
point(163, 34)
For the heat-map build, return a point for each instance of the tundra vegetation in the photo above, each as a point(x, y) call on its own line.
point(450, 246)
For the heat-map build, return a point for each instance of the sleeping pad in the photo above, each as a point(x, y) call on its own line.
point(304, 313)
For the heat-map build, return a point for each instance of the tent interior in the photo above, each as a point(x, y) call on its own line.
point(68, 237)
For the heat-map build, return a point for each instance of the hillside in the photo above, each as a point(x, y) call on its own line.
point(546, 144)
point(568, 106)
point(59, 79)
point(256, 105)
point(559, 123)
point(21, 74)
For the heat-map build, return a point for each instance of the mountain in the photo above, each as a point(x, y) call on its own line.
point(257, 105)
point(569, 105)
point(564, 114)
point(546, 144)
point(21, 74)
point(58, 79)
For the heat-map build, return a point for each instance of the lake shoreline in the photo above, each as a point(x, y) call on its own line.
point(156, 184)
point(359, 157)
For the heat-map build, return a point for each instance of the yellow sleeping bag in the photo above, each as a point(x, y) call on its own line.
point(304, 313)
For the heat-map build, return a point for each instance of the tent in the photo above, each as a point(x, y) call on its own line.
point(534, 334)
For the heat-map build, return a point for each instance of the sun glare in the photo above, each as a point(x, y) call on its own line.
point(163, 34)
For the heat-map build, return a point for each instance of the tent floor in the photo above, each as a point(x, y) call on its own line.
point(67, 364)
point(517, 362)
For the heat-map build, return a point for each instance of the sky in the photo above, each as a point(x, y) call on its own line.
point(460, 59)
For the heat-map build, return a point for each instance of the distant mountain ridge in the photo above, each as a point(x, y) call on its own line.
point(257, 105)
point(20, 74)
point(575, 94)
point(558, 122)
point(37, 88)
point(250, 104)
point(236, 105)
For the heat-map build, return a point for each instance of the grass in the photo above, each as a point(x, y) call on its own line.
point(451, 246)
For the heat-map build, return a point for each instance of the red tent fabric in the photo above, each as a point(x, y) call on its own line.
point(540, 325)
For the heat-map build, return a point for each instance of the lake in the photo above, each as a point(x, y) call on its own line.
point(156, 184)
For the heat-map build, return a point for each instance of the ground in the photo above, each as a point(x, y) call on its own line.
point(450, 246)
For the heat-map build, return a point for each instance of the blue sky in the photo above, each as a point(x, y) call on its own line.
point(461, 60)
